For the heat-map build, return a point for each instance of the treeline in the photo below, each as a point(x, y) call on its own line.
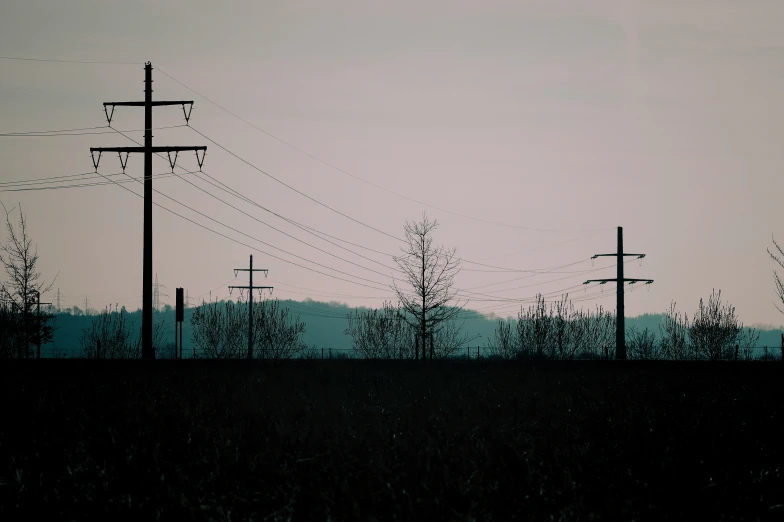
point(559, 331)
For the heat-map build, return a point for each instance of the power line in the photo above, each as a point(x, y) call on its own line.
point(357, 177)
point(91, 184)
point(498, 268)
point(49, 134)
point(67, 61)
point(292, 188)
point(264, 242)
point(244, 244)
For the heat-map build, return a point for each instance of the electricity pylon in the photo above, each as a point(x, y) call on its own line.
point(148, 150)
point(250, 289)
point(620, 320)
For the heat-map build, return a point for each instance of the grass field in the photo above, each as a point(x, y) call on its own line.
point(363, 440)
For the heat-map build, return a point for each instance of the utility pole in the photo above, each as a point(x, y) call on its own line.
point(250, 289)
point(85, 306)
point(59, 295)
point(148, 150)
point(38, 316)
point(620, 320)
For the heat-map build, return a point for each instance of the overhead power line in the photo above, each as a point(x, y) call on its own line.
point(68, 61)
point(292, 188)
point(77, 132)
point(312, 156)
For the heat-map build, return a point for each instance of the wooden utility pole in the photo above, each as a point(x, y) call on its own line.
point(250, 289)
point(148, 150)
point(620, 320)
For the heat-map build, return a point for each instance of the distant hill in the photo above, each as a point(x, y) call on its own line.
point(326, 323)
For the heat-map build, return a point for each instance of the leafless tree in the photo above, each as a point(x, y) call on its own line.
point(504, 342)
point(714, 328)
point(24, 283)
point(747, 340)
point(642, 344)
point(674, 334)
point(380, 333)
point(218, 329)
point(449, 338)
point(429, 271)
point(109, 337)
point(778, 257)
point(277, 334)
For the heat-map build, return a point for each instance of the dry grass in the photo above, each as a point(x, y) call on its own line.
point(358, 440)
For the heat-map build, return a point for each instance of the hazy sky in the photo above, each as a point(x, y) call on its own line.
point(663, 117)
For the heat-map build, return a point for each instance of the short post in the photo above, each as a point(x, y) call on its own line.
point(736, 352)
point(766, 353)
point(468, 352)
point(477, 352)
point(322, 353)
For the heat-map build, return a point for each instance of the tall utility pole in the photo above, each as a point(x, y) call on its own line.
point(250, 289)
point(148, 150)
point(620, 320)
point(59, 295)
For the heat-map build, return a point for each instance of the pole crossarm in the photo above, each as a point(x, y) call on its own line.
point(144, 149)
point(615, 280)
point(144, 104)
point(616, 255)
point(148, 350)
point(246, 287)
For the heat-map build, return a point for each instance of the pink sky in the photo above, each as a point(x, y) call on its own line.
point(661, 117)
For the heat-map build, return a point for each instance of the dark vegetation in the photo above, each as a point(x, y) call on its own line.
point(363, 440)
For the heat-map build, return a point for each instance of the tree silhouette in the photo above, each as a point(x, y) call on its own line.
point(430, 272)
point(24, 284)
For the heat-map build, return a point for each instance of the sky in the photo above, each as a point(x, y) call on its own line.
point(547, 123)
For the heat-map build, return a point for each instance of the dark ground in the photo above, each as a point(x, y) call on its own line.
point(358, 440)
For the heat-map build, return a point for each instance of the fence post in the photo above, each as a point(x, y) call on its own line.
point(477, 352)
point(468, 352)
point(322, 353)
point(766, 353)
point(736, 352)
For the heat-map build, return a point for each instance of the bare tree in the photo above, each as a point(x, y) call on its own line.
point(674, 333)
point(715, 328)
point(778, 257)
point(109, 337)
point(747, 340)
point(504, 342)
point(278, 335)
point(642, 344)
point(218, 329)
point(380, 333)
point(24, 283)
point(430, 271)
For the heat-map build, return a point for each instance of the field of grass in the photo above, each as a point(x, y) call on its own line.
point(364, 440)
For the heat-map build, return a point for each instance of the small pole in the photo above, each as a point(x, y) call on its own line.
point(766, 353)
point(477, 352)
point(38, 337)
point(736, 352)
point(322, 353)
point(468, 352)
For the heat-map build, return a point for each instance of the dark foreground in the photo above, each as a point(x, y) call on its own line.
point(357, 440)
